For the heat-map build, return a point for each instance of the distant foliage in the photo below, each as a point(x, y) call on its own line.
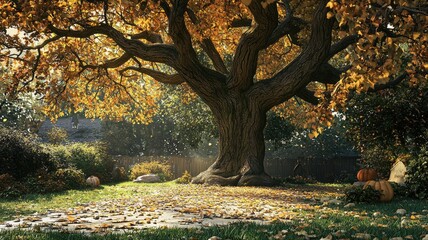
point(92, 159)
point(21, 154)
point(163, 170)
point(417, 175)
point(358, 194)
point(186, 178)
point(57, 135)
point(23, 112)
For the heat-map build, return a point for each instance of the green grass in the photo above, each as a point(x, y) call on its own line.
point(317, 221)
point(40, 203)
point(317, 230)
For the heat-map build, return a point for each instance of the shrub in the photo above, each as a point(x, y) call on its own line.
point(399, 190)
point(163, 170)
point(57, 135)
point(92, 159)
point(21, 154)
point(417, 175)
point(119, 174)
point(71, 177)
point(358, 194)
point(186, 178)
point(6, 181)
point(299, 180)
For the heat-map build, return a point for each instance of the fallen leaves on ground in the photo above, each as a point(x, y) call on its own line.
point(199, 205)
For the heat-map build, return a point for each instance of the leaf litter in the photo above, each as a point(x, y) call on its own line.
point(202, 206)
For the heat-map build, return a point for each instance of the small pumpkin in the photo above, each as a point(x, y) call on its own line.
point(367, 174)
point(93, 181)
point(385, 188)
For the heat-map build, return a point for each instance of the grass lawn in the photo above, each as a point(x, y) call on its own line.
point(292, 212)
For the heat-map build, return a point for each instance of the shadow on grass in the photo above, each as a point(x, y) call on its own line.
point(315, 230)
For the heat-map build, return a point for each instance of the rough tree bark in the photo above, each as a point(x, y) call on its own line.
point(241, 145)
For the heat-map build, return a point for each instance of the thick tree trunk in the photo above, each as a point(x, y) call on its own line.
point(241, 147)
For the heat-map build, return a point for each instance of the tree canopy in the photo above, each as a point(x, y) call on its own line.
point(91, 54)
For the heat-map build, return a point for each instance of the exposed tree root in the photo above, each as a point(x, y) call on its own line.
point(211, 177)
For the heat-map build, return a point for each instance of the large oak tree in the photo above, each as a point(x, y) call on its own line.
point(108, 58)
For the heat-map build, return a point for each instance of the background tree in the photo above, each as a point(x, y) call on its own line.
point(389, 124)
point(105, 57)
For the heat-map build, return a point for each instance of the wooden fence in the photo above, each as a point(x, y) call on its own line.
point(321, 169)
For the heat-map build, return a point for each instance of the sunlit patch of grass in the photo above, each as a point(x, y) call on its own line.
point(40, 203)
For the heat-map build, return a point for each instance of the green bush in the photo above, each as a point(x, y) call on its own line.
point(21, 154)
point(92, 159)
point(359, 194)
point(417, 175)
point(71, 177)
point(399, 190)
point(163, 170)
point(186, 178)
point(13, 191)
point(57, 135)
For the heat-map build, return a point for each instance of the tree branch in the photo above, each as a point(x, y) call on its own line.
point(308, 96)
point(342, 44)
point(158, 76)
point(244, 63)
point(295, 76)
point(389, 84)
point(161, 53)
point(149, 36)
point(209, 48)
point(179, 33)
point(218, 63)
point(113, 63)
point(327, 74)
point(241, 22)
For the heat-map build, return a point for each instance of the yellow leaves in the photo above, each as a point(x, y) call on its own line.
point(330, 15)
point(246, 2)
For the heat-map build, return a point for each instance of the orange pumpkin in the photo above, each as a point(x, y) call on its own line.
point(385, 188)
point(366, 174)
point(93, 181)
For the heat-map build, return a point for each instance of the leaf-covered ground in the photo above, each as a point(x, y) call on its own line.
point(314, 211)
